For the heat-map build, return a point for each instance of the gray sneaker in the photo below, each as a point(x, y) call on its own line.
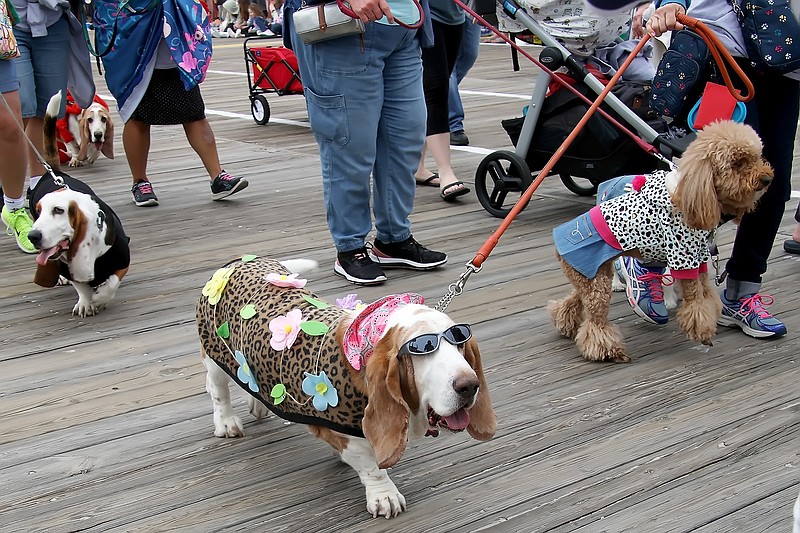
point(143, 194)
point(225, 185)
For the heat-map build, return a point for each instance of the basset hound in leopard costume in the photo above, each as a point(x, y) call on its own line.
point(366, 381)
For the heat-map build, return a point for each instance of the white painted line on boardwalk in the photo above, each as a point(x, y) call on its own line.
point(271, 119)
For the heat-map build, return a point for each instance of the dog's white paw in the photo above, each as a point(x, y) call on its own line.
point(257, 409)
point(228, 427)
point(385, 500)
point(63, 281)
point(75, 162)
point(84, 308)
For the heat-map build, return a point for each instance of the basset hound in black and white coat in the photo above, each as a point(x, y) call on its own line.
point(78, 235)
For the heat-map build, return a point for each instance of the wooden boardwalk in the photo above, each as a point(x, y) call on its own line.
point(105, 424)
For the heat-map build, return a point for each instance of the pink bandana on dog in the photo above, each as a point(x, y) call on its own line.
point(368, 327)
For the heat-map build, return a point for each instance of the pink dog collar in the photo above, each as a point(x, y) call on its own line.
point(368, 327)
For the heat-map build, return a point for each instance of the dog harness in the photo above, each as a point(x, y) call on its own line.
point(278, 343)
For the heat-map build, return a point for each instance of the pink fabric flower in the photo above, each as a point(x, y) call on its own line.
point(190, 40)
point(638, 182)
point(188, 63)
point(285, 329)
point(284, 280)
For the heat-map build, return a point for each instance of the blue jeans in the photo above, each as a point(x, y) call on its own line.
point(467, 55)
point(366, 108)
point(42, 67)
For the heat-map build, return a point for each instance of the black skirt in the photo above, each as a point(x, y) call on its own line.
point(166, 101)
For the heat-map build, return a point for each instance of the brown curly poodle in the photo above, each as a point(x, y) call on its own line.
point(720, 177)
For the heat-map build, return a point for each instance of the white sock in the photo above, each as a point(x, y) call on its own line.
point(14, 203)
point(34, 181)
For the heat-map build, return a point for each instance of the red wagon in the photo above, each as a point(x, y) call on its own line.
point(270, 69)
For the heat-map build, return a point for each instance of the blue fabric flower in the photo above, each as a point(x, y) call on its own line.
point(244, 373)
point(321, 388)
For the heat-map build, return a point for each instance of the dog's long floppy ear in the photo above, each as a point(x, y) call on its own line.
point(695, 195)
point(46, 275)
point(108, 140)
point(482, 420)
point(385, 422)
point(77, 219)
point(83, 126)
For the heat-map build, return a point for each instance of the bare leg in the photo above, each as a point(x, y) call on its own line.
point(201, 138)
point(12, 144)
point(33, 128)
point(439, 145)
point(136, 142)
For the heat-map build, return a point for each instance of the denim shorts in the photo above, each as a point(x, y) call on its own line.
point(42, 67)
point(580, 245)
point(8, 77)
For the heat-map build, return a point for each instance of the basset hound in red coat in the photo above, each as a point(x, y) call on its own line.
point(85, 133)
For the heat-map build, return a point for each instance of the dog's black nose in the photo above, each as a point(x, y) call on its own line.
point(98, 136)
point(466, 388)
point(35, 236)
point(765, 181)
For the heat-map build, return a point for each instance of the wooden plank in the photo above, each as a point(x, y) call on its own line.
point(106, 425)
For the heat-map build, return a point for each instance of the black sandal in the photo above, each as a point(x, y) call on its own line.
point(453, 191)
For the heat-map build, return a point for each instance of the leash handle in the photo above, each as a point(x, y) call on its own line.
point(721, 57)
point(347, 10)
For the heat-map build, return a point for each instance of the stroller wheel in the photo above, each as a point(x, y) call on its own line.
point(501, 179)
point(580, 186)
point(259, 107)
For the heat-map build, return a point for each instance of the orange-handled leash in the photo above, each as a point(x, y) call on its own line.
point(718, 51)
point(721, 57)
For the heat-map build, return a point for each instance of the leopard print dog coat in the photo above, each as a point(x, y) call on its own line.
point(248, 341)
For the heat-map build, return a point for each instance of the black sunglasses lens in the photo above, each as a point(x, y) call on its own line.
point(458, 334)
point(423, 344)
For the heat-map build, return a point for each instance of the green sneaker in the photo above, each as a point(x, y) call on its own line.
point(19, 224)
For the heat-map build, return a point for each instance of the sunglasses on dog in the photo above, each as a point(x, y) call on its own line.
point(429, 342)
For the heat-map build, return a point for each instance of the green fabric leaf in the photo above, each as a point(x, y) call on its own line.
point(224, 330)
point(319, 304)
point(248, 311)
point(249, 257)
point(278, 393)
point(314, 327)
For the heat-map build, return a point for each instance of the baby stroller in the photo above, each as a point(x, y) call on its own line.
point(600, 152)
point(270, 69)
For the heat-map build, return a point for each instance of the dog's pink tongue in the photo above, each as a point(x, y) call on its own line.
point(458, 420)
point(44, 255)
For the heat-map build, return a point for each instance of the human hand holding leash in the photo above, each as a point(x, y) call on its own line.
point(665, 18)
point(368, 10)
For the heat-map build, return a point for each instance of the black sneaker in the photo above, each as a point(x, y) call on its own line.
point(143, 194)
point(407, 254)
point(358, 267)
point(224, 185)
point(459, 138)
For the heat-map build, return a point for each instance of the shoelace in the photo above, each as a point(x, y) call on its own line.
point(655, 284)
point(144, 187)
point(755, 304)
point(19, 222)
point(224, 176)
